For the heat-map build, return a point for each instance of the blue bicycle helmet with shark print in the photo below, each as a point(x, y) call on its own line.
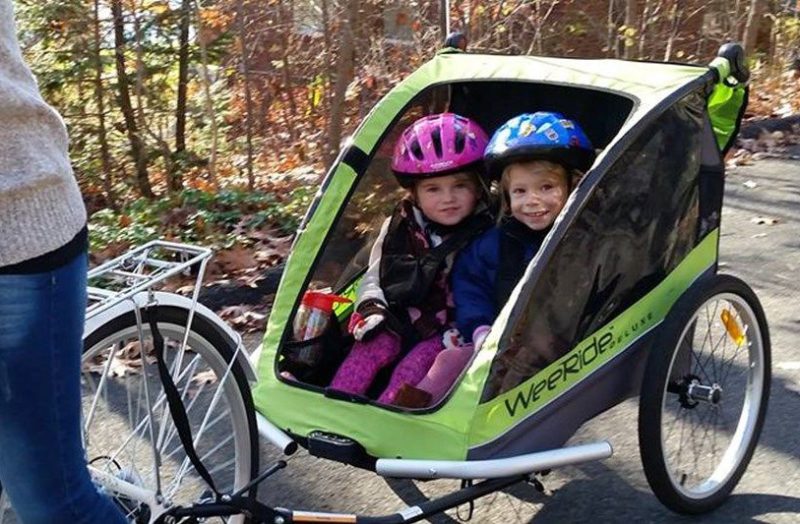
point(542, 135)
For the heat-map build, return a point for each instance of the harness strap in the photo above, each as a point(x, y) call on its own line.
point(176, 408)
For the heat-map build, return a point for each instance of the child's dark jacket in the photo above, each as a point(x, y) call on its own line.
point(409, 268)
point(486, 272)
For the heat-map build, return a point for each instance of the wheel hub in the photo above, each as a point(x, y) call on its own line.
point(691, 392)
point(700, 393)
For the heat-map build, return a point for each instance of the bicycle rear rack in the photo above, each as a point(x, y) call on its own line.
point(143, 269)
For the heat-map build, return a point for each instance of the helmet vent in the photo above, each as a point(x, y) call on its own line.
point(460, 139)
point(416, 150)
point(436, 138)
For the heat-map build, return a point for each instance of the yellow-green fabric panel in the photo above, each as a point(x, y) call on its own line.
point(297, 268)
point(502, 413)
point(383, 433)
point(724, 108)
point(648, 83)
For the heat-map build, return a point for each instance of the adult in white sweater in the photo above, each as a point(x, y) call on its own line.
point(43, 262)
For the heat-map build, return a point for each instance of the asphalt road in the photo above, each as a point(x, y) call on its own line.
point(767, 256)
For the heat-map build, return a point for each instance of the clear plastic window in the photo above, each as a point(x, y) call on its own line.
point(639, 222)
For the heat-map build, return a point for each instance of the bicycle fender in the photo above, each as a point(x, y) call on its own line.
point(162, 298)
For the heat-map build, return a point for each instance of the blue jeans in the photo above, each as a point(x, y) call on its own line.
point(42, 462)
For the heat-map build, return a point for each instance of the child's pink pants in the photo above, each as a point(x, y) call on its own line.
point(366, 359)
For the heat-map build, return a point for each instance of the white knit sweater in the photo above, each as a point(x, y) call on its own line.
point(40, 205)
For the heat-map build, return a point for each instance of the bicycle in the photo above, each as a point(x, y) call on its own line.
point(123, 394)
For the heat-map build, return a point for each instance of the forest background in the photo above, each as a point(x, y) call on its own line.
point(214, 121)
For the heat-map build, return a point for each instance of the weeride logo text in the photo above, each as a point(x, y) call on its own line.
point(574, 363)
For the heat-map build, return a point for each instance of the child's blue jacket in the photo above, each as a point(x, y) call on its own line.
point(487, 270)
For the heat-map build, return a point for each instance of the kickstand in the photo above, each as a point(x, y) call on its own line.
point(267, 473)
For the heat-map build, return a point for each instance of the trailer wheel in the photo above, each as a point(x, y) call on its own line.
point(704, 395)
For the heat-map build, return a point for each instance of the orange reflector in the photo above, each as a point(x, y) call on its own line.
point(732, 327)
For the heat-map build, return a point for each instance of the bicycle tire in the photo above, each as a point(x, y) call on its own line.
point(687, 387)
point(215, 352)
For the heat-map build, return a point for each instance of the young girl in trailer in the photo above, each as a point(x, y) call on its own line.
point(404, 300)
point(539, 157)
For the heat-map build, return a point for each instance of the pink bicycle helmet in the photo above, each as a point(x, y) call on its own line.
point(438, 145)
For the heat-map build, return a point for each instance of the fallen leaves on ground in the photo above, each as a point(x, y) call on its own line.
point(112, 250)
point(119, 367)
point(246, 318)
point(127, 360)
point(776, 144)
point(231, 260)
point(204, 377)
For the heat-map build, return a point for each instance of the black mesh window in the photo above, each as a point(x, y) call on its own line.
point(639, 222)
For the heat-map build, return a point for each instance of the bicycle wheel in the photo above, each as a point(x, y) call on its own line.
point(128, 430)
point(704, 395)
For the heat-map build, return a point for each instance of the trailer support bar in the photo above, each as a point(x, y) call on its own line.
point(484, 469)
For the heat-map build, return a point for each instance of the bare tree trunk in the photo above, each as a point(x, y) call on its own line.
point(326, 21)
point(611, 36)
point(137, 147)
point(251, 183)
point(344, 74)
point(674, 27)
point(209, 105)
point(138, 89)
point(464, 21)
point(644, 23)
point(99, 94)
point(774, 46)
point(536, 43)
point(740, 19)
point(141, 116)
point(287, 68)
point(750, 32)
point(539, 22)
point(630, 23)
point(175, 182)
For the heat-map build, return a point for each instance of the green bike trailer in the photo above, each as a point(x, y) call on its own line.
point(638, 233)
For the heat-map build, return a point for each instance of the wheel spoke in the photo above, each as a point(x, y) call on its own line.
point(106, 369)
point(149, 404)
point(710, 359)
point(710, 321)
point(697, 359)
